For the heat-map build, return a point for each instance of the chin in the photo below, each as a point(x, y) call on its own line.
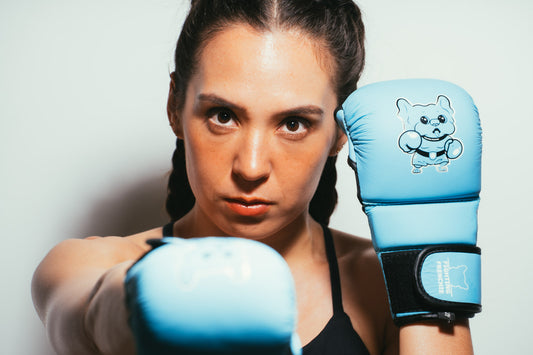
point(257, 229)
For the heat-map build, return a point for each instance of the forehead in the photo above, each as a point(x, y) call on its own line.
point(266, 63)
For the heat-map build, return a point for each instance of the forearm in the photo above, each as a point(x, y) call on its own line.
point(106, 318)
point(436, 339)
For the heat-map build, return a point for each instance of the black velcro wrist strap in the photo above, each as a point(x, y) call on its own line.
point(423, 285)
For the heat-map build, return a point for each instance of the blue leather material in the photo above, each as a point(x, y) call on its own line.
point(452, 277)
point(212, 295)
point(397, 226)
point(370, 116)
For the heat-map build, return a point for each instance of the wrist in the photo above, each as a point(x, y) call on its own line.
point(436, 337)
point(441, 324)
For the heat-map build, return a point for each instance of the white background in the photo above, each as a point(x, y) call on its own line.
point(85, 146)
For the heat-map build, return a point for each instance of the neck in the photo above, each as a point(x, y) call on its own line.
point(296, 240)
point(300, 238)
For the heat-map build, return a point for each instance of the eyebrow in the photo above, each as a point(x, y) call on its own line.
point(303, 110)
point(295, 111)
point(214, 99)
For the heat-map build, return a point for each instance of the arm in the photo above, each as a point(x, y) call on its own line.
point(418, 338)
point(441, 338)
point(78, 292)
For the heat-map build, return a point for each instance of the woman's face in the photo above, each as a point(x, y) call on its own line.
point(258, 127)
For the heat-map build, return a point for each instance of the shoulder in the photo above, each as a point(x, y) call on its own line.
point(356, 252)
point(359, 266)
point(363, 288)
point(360, 271)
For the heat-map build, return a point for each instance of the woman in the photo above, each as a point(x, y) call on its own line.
point(251, 102)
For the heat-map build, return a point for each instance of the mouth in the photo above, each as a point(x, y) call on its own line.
point(248, 207)
point(435, 139)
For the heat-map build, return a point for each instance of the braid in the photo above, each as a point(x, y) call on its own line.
point(180, 198)
point(325, 198)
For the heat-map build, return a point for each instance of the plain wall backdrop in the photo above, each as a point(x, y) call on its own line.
point(85, 146)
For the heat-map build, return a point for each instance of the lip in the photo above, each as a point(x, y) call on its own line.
point(248, 207)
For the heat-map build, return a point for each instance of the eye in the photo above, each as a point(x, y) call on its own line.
point(222, 117)
point(294, 128)
point(292, 125)
point(442, 119)
point(424, 120)
point(220, 120)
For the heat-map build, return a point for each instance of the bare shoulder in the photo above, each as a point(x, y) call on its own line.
point(359, 265)
point(364, 294)
point(360, 271)
point(357, 251)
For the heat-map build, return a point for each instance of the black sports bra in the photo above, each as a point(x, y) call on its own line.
point(338, 336)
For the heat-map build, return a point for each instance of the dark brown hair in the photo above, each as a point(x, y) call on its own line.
point(334, 24)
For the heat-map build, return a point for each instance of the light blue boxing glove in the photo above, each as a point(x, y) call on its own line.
point(213, 295)
point(415, 146)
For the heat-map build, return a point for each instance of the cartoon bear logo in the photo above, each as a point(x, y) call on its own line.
point(428, 133)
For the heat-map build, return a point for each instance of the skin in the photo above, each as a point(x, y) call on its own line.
point(258, 128)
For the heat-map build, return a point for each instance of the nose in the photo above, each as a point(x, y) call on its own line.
point(252, 165)
point(434, 122)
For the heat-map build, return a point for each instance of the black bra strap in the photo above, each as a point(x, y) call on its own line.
point(333, 271)
point(168, 230)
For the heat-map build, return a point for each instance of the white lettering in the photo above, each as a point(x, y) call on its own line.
point(447, 283)
point(439, 277)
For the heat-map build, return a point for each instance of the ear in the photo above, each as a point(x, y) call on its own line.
point(444, 102)
point(403, 107)
point(340, 140)
point(172, 109)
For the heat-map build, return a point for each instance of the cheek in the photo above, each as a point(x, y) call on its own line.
point(204, 163)
point(300, 174)
point(419, 127)
point(301, 167)
point(449, 127)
